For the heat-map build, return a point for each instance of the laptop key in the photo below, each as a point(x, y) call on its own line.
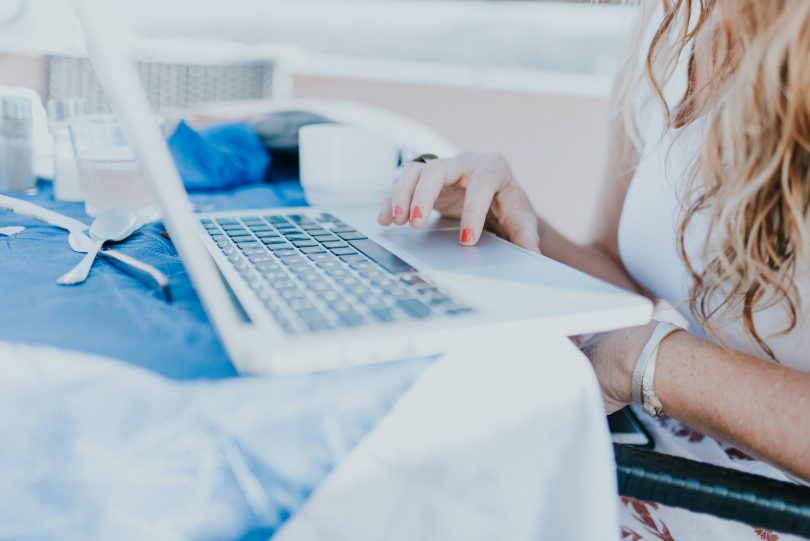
point(298, 304)
point(321, 325)
point(291, 294)
point(312, 250)
point(459, 311)
point(413, 280)
point(304, 243)
point(396, 292)
point(413, 307)
point(383, 315)
point(381, 256)
point(310, 314)
point(319, 286)
point(325, 238)
point(343, 251)
point(335, 244)
point(351, 236)
point(330, 296)
point(253, 252)
point(282, 284)
point(351, 319)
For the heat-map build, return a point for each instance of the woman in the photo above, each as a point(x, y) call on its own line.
point(705, 205)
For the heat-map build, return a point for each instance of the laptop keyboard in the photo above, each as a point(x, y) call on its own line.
point(320, 274)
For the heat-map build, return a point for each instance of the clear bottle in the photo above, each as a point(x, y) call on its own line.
point(17, 145)
point(66, 186)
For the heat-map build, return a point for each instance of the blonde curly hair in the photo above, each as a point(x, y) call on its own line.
point(752, 176)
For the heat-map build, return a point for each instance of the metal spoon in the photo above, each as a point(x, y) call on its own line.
point(149, 275)
point(115, 224)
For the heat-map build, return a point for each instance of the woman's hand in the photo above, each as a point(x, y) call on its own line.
point(480, 189)
point(613, 356)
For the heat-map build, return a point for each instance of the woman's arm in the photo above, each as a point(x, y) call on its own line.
point(766, 411)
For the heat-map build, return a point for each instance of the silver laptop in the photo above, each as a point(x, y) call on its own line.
point(307, 289)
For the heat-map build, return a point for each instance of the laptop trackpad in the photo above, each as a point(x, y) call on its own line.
point(440, 249)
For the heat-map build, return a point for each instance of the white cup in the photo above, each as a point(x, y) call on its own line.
point(346, 166)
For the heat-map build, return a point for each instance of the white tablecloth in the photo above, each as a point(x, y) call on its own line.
point(505, 438)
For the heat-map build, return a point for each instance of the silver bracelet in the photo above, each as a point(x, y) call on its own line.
point(642, 391)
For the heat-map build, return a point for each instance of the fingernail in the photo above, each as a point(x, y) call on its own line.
point(416, 213)
point(397, 211)
point(466, 236)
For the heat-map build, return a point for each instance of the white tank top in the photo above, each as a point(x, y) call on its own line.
point(652, 210)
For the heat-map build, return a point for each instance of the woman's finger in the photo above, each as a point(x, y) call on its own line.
point(435, 176)
point(523, 231)
point(481, 189)
point(386, 216)
point(520, 223)
point(489, 176)
point(403, 192)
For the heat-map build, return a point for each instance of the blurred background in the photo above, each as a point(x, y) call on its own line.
point(528, 79)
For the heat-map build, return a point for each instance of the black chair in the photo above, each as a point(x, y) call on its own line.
point(705, 488)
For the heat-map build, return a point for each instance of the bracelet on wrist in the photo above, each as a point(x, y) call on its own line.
point(642, 386)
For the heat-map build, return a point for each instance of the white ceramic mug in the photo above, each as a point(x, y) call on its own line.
point(345, 165)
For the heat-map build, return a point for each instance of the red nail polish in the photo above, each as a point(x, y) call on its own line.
point(397, 211)
point(466, 236)
point(416, 213)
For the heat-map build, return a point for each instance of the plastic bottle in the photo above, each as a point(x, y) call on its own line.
point(16, 145)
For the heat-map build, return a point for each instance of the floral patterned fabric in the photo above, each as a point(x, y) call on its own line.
point(650, 521)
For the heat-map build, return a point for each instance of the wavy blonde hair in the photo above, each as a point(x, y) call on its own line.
point(752, 176)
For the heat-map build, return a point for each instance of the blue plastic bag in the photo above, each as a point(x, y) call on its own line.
point(219, 157)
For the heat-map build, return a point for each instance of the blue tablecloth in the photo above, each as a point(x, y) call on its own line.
point(285, 434)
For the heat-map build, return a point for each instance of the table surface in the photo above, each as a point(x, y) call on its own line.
point(490, 432)
point(113, 314)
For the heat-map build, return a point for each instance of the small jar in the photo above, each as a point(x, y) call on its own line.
point(66, 185)
point(16, 145)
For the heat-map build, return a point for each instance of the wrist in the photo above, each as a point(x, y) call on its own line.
point(643, 387)
point(635, 340)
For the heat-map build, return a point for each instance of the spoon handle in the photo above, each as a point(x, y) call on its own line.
point(144, 272)
point(78, 274)
point(26, 208)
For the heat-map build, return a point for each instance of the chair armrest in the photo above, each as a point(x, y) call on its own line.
point(705, 488)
